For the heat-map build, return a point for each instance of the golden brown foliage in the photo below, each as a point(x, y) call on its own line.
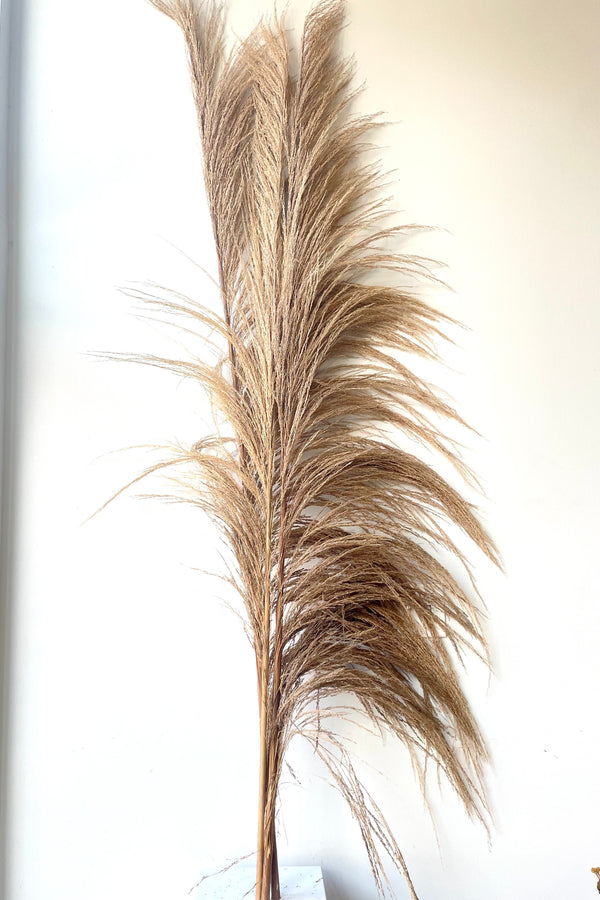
point(335, 530)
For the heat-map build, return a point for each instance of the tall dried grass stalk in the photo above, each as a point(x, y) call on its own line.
point(335, 530)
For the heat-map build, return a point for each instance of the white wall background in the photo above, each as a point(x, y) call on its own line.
point(134, 742)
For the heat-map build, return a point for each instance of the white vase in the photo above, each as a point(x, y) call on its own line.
point(297, 883)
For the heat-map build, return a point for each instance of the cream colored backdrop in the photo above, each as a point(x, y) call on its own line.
point(133, 752)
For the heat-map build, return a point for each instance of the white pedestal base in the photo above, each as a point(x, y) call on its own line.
point(297, 883)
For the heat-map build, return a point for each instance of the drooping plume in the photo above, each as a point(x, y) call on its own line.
point(335, 530)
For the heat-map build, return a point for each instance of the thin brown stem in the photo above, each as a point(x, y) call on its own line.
point(262, 883)
point(275, 885)
point(278, 645)
point(263, 872)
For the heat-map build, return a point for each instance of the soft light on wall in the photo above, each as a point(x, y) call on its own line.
point(117, 770)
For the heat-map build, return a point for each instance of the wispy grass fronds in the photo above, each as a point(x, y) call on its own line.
point(335, 530)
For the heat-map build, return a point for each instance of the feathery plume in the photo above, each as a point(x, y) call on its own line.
point(334, 529)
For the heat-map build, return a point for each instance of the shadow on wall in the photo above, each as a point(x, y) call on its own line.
point(11, 30)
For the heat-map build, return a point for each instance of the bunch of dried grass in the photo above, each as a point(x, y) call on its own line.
point(334, 529)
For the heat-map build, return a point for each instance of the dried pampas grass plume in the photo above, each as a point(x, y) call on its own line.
point(335, 530)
